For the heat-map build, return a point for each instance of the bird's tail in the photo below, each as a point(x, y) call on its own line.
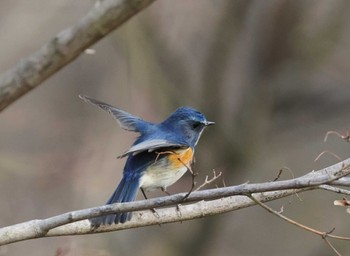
point(125, 192)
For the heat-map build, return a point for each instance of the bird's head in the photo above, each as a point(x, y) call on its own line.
point(188, 123)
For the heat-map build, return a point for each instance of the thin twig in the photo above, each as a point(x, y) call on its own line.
point(189, 168)
point(163, 153)
point(327, 152)
point(281, 171)
point(207, 181)
point(320, 233)
point(331, 246)
point(324, 235)
point(335, 189)
point(278, 175)
point(345, 137)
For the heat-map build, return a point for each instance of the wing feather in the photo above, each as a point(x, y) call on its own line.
point(152, 145)
point(126, 120)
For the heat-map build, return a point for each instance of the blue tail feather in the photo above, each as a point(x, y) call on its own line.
point(125, 192)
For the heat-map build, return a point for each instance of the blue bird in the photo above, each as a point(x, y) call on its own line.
point(159, 157)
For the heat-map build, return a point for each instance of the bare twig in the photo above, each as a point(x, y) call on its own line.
point(102, 19)
point(332, 246)
point(345, 137)
point(327, 234)
point(193, 175)
point(335, 189)
point(278, 175)
point(281, 171)
point(207, 181)
point(345, 181)
point(324, 235)
point(327, 152)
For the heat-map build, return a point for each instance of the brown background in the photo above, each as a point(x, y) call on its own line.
point(274, 75)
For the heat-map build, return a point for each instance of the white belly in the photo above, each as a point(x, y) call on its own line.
point(161, 176)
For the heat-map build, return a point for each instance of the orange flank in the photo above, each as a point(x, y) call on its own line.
point(181, 157)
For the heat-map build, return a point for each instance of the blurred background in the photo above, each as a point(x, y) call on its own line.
point(274, 75)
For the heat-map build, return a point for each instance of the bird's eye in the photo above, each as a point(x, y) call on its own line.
point(195, 125)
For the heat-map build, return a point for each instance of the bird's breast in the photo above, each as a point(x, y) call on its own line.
point(168, 167)
point(181, 157)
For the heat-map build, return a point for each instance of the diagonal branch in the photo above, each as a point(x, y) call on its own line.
point(220, 200)
point(66, 46)
point(323, 235)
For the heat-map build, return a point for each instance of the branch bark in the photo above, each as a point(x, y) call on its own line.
point(102, 19)
point(220, 200)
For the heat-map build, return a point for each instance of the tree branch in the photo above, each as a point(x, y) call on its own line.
point(221, 201)
point(102, 19)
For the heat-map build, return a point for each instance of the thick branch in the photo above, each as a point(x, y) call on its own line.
point(102, 19)
point(177, 213)
point(37, 228)
point(221, 202)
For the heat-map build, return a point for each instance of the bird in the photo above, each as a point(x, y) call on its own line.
point(160, 156)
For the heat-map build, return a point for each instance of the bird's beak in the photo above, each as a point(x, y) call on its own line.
point(208, 123)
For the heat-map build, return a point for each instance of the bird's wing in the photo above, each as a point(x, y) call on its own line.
point(152, 145)
point(126, 121)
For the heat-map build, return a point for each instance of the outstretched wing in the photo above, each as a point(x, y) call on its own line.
point(152, 145)
point(126, 121)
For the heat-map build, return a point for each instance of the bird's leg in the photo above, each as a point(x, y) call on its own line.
point(143, 193)
point(153, 209)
